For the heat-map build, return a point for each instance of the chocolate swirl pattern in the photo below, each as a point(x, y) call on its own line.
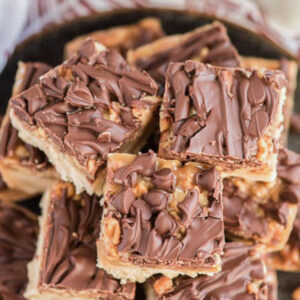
point(69, 255)
point(86, 106)
point(242, 277)
point(212, 40)
point(160, 206)
point(208, 116)
point(18, 235)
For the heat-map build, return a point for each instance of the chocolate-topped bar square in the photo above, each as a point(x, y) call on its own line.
point(290, 69)
point(18, 236)
point(208, 44)
point(21, 164)
point(64, 266)
point(160, 216)
point(91, 105)
point(230, 118)
point(260, 212)
point(243, 277)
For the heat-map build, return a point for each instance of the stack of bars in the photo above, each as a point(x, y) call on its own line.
point(162, 164)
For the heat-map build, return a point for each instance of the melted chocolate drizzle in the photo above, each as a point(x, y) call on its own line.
point(70, 248)
point(238, 271)
point(74, 112)
point(241, 210)
point(150, 232)
point(218, 112)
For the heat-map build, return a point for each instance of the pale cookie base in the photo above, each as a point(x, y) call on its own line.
point(34, 291)
point(117, 36)
point(121, 268)
point(68, 166)
point(11, 195)
point(127, 271)
point(27, 180)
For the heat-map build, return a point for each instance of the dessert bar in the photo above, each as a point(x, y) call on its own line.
point(160, 216)
point(260, 212)
point(243, 276)
point(91, 105)
point(290, 69)
point(21, 164)
point(64, 266)
point(208, 44)
point(121, 38)
point(230, 118)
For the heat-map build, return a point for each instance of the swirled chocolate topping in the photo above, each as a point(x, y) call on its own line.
point(219, 112)
point(154, 232)
point(9, 140)
point(86, 104)
point(69, 260)
point(18, 235)
point(239, 272)
point(214, 38)
point(251, 215)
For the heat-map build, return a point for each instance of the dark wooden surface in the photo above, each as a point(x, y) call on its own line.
point(48, 47)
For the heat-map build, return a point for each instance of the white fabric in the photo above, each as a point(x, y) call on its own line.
point(277, 19)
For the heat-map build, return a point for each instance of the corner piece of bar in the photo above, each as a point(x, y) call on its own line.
point(21, 164)
point(64, 266)
point(208, 44)
point(18, 236)
point(243, 276)
point(264, 213)
point(91, 105)
point(230, 118)
point(121, 38)
point(290, 69)
point(160, 216)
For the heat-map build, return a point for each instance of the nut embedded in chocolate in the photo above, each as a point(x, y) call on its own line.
point(160, 207)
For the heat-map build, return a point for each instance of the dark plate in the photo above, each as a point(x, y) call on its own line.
point(48, 47)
